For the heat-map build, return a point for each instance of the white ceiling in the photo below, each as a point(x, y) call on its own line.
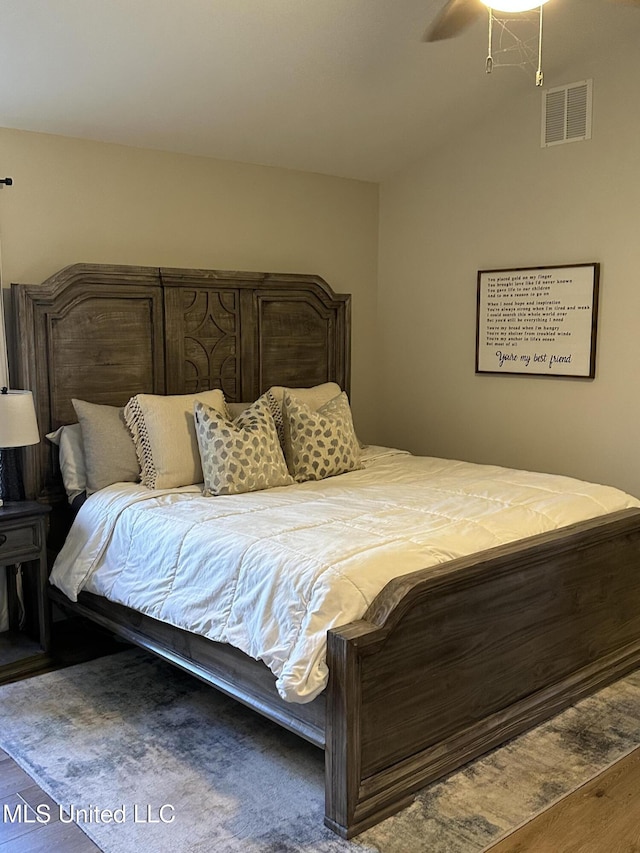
point(342, 87)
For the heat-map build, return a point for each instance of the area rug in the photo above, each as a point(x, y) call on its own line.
point(147, 758)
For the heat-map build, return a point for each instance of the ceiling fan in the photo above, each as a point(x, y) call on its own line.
point(456, 15)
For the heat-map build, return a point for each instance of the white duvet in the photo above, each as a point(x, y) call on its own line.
point(270, 572)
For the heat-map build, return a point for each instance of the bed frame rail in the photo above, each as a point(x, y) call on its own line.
point(222, 666)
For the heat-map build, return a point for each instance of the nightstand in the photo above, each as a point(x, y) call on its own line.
point(23, 543)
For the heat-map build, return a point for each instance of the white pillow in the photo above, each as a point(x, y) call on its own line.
point(164, 435)
point(68, 439)
point(235, 409)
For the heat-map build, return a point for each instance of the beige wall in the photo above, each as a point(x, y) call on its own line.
point(78, 201)
point(496, 199)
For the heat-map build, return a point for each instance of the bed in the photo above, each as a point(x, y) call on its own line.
point(448, 660)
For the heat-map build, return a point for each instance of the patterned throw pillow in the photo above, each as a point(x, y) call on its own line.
point(320, 443)
point(239, 456)
point(235, 409)
point(314, 397)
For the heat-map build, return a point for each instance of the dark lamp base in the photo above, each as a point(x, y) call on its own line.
point(11, 485)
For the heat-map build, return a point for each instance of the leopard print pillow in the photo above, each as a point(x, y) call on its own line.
point(320, 443)
point(243, 455)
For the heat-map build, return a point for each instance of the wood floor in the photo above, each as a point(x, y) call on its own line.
point(603, 816)
point(22, 796)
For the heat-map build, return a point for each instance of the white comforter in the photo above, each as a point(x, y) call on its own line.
point(270, 572)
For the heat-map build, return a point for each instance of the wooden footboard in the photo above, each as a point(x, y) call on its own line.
point(450, 662)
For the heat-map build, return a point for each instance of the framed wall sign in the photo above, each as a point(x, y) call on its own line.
point(538, 321)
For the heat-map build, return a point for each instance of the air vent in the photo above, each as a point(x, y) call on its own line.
point(566, 113)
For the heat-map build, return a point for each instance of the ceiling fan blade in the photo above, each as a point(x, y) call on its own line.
point(455, 16)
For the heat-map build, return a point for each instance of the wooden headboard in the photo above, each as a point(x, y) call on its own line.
point(103, 333)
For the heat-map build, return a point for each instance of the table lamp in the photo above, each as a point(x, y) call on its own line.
point(18, 428)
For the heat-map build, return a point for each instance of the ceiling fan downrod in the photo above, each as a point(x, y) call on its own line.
point(489, 65)
point(539, 73)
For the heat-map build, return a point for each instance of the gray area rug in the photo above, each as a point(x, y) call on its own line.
point(130, 734)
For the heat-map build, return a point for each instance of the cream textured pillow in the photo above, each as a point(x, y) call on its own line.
point(164, 434)
point(243, 455)
point(235, 409)
point(314, 397)
point(109, 453)
point(320, 443)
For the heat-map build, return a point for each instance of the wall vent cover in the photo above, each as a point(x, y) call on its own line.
point(566, 113)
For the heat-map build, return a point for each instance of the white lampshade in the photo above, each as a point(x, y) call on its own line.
point(18, 424)
point(514, 5)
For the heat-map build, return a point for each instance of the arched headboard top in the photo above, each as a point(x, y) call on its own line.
point(102, 333)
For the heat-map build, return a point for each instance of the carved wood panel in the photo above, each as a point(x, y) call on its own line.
point(244, 332)
point(203, 328)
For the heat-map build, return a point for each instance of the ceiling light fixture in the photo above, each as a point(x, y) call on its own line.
point(514, 5)
point(523, 50)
